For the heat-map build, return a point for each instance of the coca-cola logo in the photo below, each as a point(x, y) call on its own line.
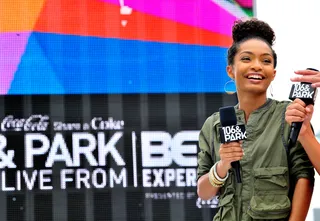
point(35, 122)
point(98, 123)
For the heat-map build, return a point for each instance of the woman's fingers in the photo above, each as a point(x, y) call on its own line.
point(307, 76)
point(231, 151)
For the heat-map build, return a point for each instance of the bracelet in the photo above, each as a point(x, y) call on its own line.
point(213, 181)
point(215, 184)
point(216, 174)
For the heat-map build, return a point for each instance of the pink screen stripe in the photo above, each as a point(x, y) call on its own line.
point(198, 13)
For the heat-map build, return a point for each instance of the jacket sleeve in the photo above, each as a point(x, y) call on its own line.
point(300, 165)
point(205, 161)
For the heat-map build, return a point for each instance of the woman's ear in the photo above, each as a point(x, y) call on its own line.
point(230, 71)
point(274, 74)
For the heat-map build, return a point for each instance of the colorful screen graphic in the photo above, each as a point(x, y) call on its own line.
point(116, 46)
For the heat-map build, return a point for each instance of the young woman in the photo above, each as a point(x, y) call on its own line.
point(268, 168)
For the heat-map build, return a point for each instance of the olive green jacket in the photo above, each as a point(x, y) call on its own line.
point(266, 177)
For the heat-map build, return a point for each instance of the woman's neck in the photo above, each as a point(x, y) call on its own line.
point(251, 102)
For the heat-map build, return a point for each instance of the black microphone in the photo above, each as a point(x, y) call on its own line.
point(307, 94)
point(230, 132)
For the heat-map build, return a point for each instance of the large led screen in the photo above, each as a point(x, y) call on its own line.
point(116, 46)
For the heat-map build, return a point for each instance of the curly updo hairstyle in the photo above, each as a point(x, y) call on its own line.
point(251, 29)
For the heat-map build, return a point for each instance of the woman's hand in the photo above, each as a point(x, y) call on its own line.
point(307, 76)
point(297, 111)
point(229, 152)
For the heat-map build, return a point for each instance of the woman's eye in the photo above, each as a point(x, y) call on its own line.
point(267, 61)
point(245, 59)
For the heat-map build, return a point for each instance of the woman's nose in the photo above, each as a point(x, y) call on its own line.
point(256, 65)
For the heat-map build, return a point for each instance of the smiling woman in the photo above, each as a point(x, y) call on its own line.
point(253, 70)
point(252, 61)
point(276, 182)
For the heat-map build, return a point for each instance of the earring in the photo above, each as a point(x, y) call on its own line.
point(230, 87)
point(271, 90)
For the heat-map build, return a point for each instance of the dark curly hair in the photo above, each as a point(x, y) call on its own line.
point(245, 30)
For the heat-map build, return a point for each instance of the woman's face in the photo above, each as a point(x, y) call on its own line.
point(253, 67)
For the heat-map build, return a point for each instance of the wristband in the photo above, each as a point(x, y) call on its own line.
point(213, 181)
point(216, 174)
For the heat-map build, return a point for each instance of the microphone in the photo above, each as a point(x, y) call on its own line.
point(230, 132)
point(307, 94)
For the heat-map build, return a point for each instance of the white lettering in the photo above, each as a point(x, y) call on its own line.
point(146, 178)
point(85, 150)
point(31, 150)
point(169, 176)
point(59, 144)
point(179, 177)
point(98, 123)
point(160, 150)
point(105, 149)
point(82, 179)
point(185, 154)
point(36, 122)
point(30, 182)
point(64, 179)
point(122, 178)
point(158, 182)
point(103, 174)
point(45, 177)
point(3, 182)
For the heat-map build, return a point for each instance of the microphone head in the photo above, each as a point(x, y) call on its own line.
point(304, 91)
point(227, 116)
point(231, 132)
point(312, 69)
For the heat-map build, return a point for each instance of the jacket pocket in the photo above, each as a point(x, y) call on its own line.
point(269, 207)
point(273, 180)
point(270, 195)
point(226, 208)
